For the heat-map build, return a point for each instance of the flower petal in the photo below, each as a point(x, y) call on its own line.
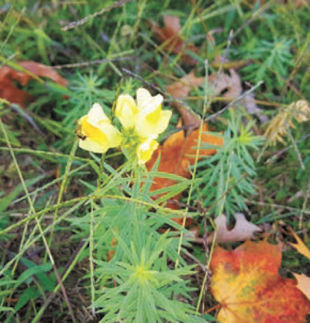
point(112, 133)
point(153, 124)
point(96, 114)
point(93, 146)
point(96, 132)
point(143, 96)
point(126, 111)
point(146, 101)
point(145, 150)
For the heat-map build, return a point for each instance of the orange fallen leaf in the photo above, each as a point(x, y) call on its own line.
point(242, 230)
point(8, 77)
point(178, 153)
point(300, 246)
point(247, 284)
point(303, 284)
point(8, 89)
point(44, 71)
point(169, 35)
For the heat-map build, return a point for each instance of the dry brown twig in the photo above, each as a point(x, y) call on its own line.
point(84, 20)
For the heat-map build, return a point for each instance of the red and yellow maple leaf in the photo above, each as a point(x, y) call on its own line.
point(249, 288)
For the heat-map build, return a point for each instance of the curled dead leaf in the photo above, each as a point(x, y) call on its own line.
point(242, 230)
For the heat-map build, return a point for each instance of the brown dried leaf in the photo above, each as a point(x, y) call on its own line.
point(8, 77)
point(190, 119)
point(44, 71)
point(231, 84)
point(303, 284)
point(8, 89)
point(252, 108)
point(242, 230)
point(181, 88)
point(173, 43)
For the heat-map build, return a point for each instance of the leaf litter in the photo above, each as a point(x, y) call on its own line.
point(247, 284)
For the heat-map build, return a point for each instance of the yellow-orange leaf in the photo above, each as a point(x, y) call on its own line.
point(178, 153)
point(300, 246)
point(247, 284)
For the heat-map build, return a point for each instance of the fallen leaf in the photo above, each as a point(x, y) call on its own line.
point(181, 88)
point(242, 230)
point(8, 89)
point(303, 284)
point(218, 82)
point(231, 84)
point(230, 87)
point(246, 283)
point(8, 77)
point(44, 71)
point(249, 102)
point(190, 119)
point(178, 153)
point(171, 39)
point(300, 246)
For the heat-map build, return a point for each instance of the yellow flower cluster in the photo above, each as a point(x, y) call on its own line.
point(142, 121)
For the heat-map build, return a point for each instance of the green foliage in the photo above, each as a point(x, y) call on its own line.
point(226, 179)
point(145, 284)
point(117, 248)
point(140, 282)
point(272, 61)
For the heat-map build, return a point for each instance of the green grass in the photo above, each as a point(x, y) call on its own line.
point(62, 208)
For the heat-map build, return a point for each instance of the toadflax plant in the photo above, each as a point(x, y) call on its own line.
point(141, 121)
point(133, 272)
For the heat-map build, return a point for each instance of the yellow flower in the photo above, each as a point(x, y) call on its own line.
point(96, 132)
point(146, 116)
point(126, 111)
point(145, 150)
